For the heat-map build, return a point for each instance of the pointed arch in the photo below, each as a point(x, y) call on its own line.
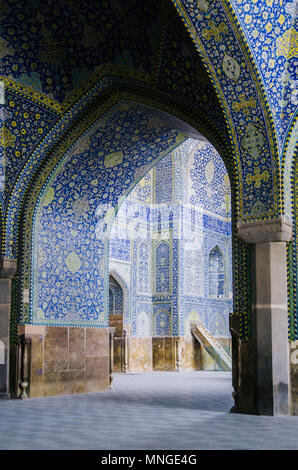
point(72, 126)
point(216, 271)
point(111, 302)
point(126, 298)
point(55, 147)
point(162, 325)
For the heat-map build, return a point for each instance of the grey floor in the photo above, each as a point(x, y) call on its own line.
point(162, 410)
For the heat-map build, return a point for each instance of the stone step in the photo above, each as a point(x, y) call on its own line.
point(211, 345)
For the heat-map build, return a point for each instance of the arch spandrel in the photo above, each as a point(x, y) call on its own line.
point(270, 31)
point(290, 153)
point(244, 104)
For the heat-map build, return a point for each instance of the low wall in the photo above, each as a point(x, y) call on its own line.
point(66, 360)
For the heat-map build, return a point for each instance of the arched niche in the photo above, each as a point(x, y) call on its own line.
point(143, 324)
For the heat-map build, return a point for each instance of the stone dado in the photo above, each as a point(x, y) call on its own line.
point(65, 360)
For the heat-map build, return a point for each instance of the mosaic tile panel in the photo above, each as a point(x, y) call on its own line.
point(193, 272)
point(217, 324)
point(182, 73)
point(2, 137)
point(75, 206)
point(143, 190)
point(271, 31)
point(120, 244)
point(293, 267)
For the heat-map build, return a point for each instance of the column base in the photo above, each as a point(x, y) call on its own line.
point(5, 396)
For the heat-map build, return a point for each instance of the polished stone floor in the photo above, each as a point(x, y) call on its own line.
point(162, 410)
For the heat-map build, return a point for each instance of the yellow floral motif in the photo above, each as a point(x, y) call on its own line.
point(216, 31)
point(257, 178)
point(287, 45)
point(244, 105)
point(281, 19)
point(7, 139)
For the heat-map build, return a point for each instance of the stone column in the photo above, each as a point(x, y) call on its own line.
point(7, 272)
point(270, 356)
point(111, 353)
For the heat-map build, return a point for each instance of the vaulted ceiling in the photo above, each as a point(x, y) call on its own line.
point(53, 46)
